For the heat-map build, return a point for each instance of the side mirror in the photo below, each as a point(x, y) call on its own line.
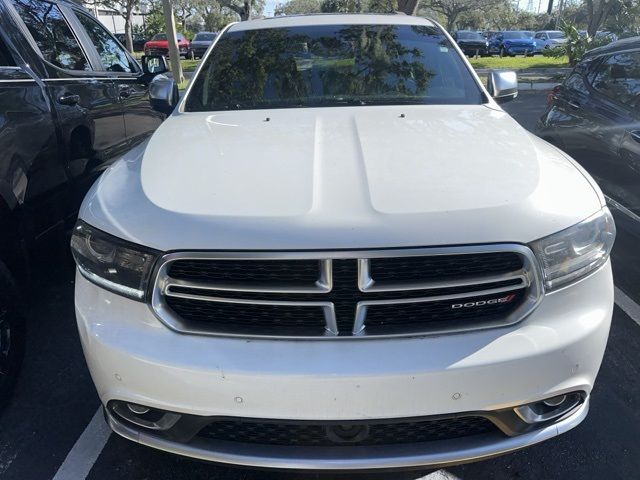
point(154, 64)
point(502, 85)
point(163, 94)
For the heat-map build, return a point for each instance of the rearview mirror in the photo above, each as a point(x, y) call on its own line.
point(154, 64)
point(502, 85)
point(163, 94)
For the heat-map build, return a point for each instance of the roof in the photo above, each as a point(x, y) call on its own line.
point(330, 19)
point(625, 44)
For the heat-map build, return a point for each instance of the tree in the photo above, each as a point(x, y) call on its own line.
point(597, 13)
point(295, 7)
point(341, 6)
point(452, 9)
point(408, 6)
point(125, 8)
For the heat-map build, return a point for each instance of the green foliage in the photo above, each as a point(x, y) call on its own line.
point(341, 6)
point(381, 6)
point(576, 44)
point(296, 7)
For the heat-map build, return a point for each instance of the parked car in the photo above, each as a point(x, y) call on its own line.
point(159, 45)
point(596, 111)
point(200, 44)
point(472, 43)
point(512, 43)
point(306, 267)
point(71, 99)
point(546, 39)
point(138, 41)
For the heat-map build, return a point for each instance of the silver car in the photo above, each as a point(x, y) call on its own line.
point(200, 43)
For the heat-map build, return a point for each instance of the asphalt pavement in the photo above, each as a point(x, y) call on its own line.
point(51, 429)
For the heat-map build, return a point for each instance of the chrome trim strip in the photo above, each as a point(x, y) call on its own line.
point(323, 284)
point(366, 283)
point(530, 277)
point(440, 453)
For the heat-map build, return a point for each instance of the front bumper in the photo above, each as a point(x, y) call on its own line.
point(557, 349)
point(441, 453)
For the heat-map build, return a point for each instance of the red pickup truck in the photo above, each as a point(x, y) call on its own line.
point(159, 45)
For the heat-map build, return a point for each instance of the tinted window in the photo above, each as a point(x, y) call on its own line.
point(576, 82)
point(113, 57)
point(514, 35)
point(5, 58)
point(205, 37)
point(470, 36)
point(618, 77)
point(52, 34)
point(556, 35)
point(159, 36)
point(331, 65)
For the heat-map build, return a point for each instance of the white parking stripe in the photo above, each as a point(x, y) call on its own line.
point(439, 475)
point(629, 307)
point(86, 450)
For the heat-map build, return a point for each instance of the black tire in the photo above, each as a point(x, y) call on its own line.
point(12, 335)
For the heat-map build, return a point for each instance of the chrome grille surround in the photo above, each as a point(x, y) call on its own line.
point(529, 278)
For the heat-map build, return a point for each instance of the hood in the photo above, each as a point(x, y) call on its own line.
point(348, 177)
point(201, 43)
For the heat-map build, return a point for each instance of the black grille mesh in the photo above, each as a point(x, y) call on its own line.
point(251, 319)
point(258, 271)
point(443, 267)
point(324, 434)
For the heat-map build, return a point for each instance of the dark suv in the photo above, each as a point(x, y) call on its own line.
point(71, 99)
point(595, 115)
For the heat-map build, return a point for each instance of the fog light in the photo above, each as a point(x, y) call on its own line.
point(555, 401)
point(137, 409)
point(146, 417)
point(549, 409)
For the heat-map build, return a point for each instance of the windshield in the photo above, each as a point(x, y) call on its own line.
point(470, 36)
point(514, 35)
point(332, 65)
point(556, 35)
point(205, 37)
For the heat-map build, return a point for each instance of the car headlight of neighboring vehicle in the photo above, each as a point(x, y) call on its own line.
point(575, 252)
point(112, 263)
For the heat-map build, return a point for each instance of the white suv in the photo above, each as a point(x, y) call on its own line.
point(339, 252)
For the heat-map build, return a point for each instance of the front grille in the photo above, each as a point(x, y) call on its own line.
point(251, 319)
point(443, 267)
point(264, 271)
point(401, 292)
point(307, 434)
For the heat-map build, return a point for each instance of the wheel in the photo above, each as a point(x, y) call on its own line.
point(12, 335)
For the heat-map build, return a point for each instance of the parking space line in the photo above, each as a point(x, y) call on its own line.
point(86, 450)
point(439, 475)
point(622, 209)
point(628, 306)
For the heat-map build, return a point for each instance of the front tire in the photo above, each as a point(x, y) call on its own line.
point(12, 336)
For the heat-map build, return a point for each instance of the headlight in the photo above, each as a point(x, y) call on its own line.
point(577, 251)
point(111, 262)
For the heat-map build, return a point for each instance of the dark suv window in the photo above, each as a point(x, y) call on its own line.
point(113, 57)
point(5, 58)
point(618, 77)
point(332, 65)
point(51, 32)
